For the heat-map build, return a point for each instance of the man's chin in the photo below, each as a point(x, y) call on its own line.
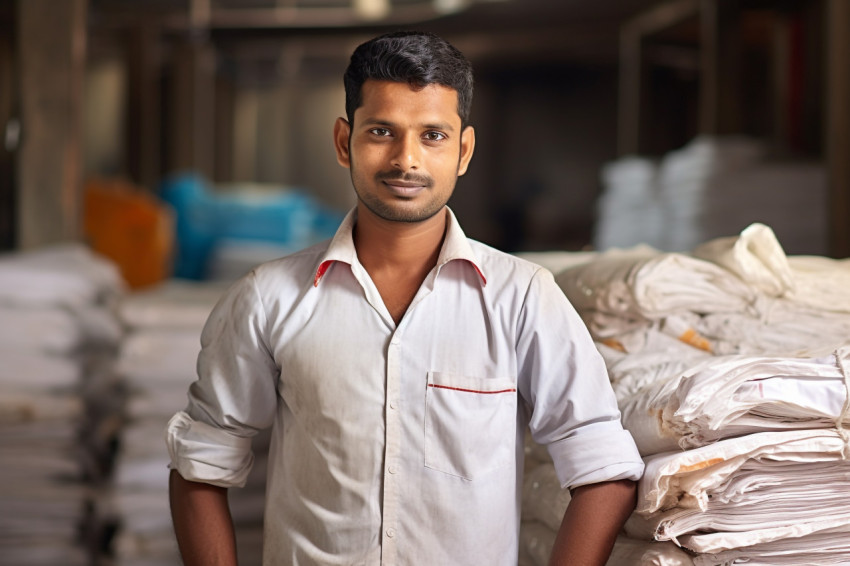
point(403, 214)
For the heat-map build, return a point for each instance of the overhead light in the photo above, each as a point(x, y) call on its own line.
point(450, 6)
point(371, 9)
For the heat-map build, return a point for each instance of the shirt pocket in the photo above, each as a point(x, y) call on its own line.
point(470, 423)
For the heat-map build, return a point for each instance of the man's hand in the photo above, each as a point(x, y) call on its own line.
point(202, 523)
point(593, 519)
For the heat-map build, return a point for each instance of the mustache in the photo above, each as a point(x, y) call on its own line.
point(417, 179)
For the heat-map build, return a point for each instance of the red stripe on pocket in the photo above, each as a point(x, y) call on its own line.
point(470, 390)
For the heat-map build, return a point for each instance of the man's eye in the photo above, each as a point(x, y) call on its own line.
point(435, 136)
point(380, 131)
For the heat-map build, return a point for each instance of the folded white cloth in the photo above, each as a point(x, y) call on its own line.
point(642, 285)
point(728, 396)
point(633, 552)
point(64, 274)
point(824, 548)
point(643, 357)
point(27, 371)
point(56, 329)
point(755, 256)
point(821, 283)
point(744, 491)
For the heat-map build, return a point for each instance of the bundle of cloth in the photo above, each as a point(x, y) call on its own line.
point(730, 500)
point(654, 314)
point(730, 364)
point(732, 396)
point(61, 402)
point(156, 363)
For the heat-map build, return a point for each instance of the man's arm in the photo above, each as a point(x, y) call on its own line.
point(593, 519)
point(202, 522)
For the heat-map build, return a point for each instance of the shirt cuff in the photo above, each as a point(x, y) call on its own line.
point(200, 452)
point(594, 456)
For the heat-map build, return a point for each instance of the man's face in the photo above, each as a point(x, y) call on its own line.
point(405, 149)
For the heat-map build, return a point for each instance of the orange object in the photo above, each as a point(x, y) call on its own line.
point(692, 337)
point(131, 227)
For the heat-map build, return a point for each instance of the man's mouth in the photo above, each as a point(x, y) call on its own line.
point(408, 185)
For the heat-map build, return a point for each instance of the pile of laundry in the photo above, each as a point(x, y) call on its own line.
point(157, 364)
point(60, 408)
point(730, 364)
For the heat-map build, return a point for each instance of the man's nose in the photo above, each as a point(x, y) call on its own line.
point(407, 153)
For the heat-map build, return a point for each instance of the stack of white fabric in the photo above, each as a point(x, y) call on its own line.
point(629, 209)
point(60, 407)
point(712, 187)
point(157, 362)
point(543, 505)
point(751, 499)
point(731, 367)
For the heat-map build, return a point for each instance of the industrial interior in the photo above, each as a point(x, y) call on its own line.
point(681, 166)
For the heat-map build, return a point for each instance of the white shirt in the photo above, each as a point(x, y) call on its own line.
point(402, 444)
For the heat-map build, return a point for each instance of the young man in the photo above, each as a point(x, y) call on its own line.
point(399, 365)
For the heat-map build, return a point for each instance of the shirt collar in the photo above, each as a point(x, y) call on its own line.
point(455, 247)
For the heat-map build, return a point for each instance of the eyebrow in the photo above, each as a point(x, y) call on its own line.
point(434, 126)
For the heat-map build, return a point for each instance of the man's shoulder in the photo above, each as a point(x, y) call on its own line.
point(500, 264)
point(295, 268)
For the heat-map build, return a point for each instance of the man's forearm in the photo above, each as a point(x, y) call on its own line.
point(593, 519)
point(202, 523)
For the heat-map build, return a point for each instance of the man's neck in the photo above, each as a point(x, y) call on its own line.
point(398, 255)
point(407, 246)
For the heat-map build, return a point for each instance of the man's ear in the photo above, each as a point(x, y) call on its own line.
point(342, 133)
point(467, 147)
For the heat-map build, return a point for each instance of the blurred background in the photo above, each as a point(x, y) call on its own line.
point(244, 94)
point(153, 150)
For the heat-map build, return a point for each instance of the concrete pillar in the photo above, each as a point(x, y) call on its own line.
point(192, 131)
point(145, 116)
point(51, 54)
point(720, 80)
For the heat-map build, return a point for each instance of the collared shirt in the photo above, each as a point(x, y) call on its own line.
point(398, 444)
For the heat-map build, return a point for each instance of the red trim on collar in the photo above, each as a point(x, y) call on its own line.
point(321, 271)
point(481, 275)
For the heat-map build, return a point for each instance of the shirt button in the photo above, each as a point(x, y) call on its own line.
point(390, 532)
point(393, 468)
point(392, 405)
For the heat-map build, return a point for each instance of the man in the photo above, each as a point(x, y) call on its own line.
point(399, 365)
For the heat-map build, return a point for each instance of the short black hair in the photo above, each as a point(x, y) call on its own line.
point(413, 57)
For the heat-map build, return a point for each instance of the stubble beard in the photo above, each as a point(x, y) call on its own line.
point(386, 209)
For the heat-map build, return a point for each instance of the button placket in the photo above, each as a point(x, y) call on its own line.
point(392, 450)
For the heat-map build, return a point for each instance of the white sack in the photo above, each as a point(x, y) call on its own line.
point(67, 274)
point(744, 491)
point(733, 395)
point(821, 282)
point(633, 552)
point(755, 256)
point(645, 285)
point(818, 549)
point(23, 371)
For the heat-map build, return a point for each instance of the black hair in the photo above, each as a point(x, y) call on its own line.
point(416, 58)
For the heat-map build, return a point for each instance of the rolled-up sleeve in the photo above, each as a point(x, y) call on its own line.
point(563, 379)
point(234, 396)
